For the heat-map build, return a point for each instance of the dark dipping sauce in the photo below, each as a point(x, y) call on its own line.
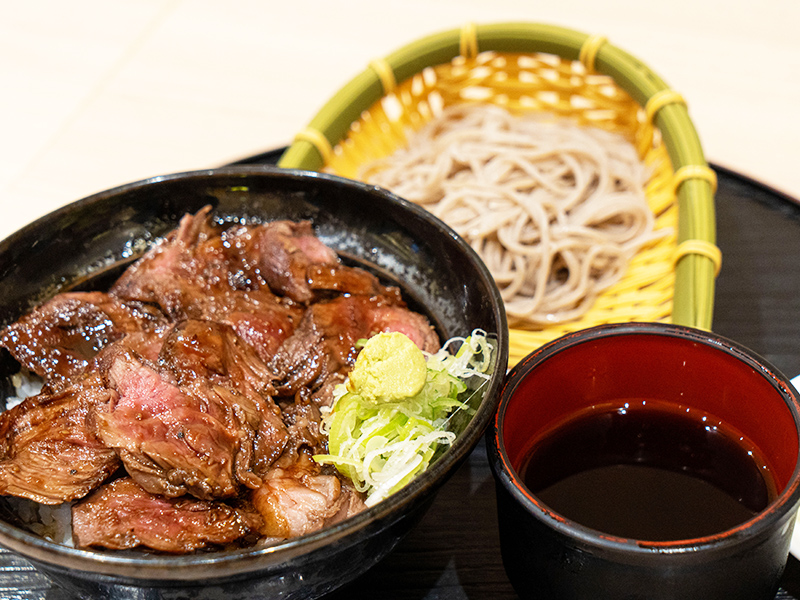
point(649, 471)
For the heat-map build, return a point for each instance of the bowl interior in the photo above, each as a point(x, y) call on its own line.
point(87, 244)
point(694, 370)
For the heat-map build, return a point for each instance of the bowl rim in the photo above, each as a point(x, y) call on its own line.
point(505, 475)
point(241, 561)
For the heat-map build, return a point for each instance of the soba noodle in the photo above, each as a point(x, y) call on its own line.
point(555, 210)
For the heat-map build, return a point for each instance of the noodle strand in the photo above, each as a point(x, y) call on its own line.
point(554, 209)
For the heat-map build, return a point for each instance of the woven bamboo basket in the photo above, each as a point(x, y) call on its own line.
point(537, 67)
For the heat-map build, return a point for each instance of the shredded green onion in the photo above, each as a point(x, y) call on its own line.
point(380, 444)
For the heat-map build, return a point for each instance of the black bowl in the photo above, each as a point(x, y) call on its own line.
point(550, 555)
point(85, 245)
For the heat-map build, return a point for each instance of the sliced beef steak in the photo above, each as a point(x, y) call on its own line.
point(324, 343)
point(49, 452)
point(168, 275)
point(258, 317)
point(285, 251)
point(342, 279)
point(121, 515)
point(171, 440)
point(202, 372)
point(58, 339)
point(199, 420)
point(210, 358)
point(297, 265)
point(300, 499)
point(202, 272)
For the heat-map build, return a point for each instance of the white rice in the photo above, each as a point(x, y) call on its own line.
point(53, 523)
point(25, 384)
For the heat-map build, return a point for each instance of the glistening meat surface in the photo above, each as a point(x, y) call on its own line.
point(58, 340)
point(324, 343)
point(48, 450)
point(195, 385)
point(121, 515)
point(300, 499)
point(175, 439)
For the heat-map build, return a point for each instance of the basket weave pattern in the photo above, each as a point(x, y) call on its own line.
point(520, 83)
point(538, 67)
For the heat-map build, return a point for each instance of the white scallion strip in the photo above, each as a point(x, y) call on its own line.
point(382, 445)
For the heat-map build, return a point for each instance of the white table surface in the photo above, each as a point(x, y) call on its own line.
point(96, 93)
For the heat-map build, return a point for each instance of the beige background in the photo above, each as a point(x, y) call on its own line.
point(97, 93)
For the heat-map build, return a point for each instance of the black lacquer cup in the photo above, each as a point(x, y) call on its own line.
point(550, 556)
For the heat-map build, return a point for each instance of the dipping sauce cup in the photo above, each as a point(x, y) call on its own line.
point(645, 461)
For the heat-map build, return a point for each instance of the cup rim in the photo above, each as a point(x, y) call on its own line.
point(506, 475)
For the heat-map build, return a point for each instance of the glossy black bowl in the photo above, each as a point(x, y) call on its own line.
point(548, 555)
point(85, 245)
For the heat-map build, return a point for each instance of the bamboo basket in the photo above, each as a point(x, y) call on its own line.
point(537, 67)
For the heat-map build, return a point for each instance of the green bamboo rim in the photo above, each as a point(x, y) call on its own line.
point(694, 274)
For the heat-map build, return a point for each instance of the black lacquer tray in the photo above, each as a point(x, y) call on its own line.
point(454, 553)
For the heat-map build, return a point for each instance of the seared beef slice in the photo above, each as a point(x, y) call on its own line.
point(58, 339)
point(208, 358)
point(122, 515)
point(324, 344)
point(49, 451)
point(284, 251)
point(200, 421)
point(171, 441)
point(301, 498)
point(200, 272)
point(170, 275)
